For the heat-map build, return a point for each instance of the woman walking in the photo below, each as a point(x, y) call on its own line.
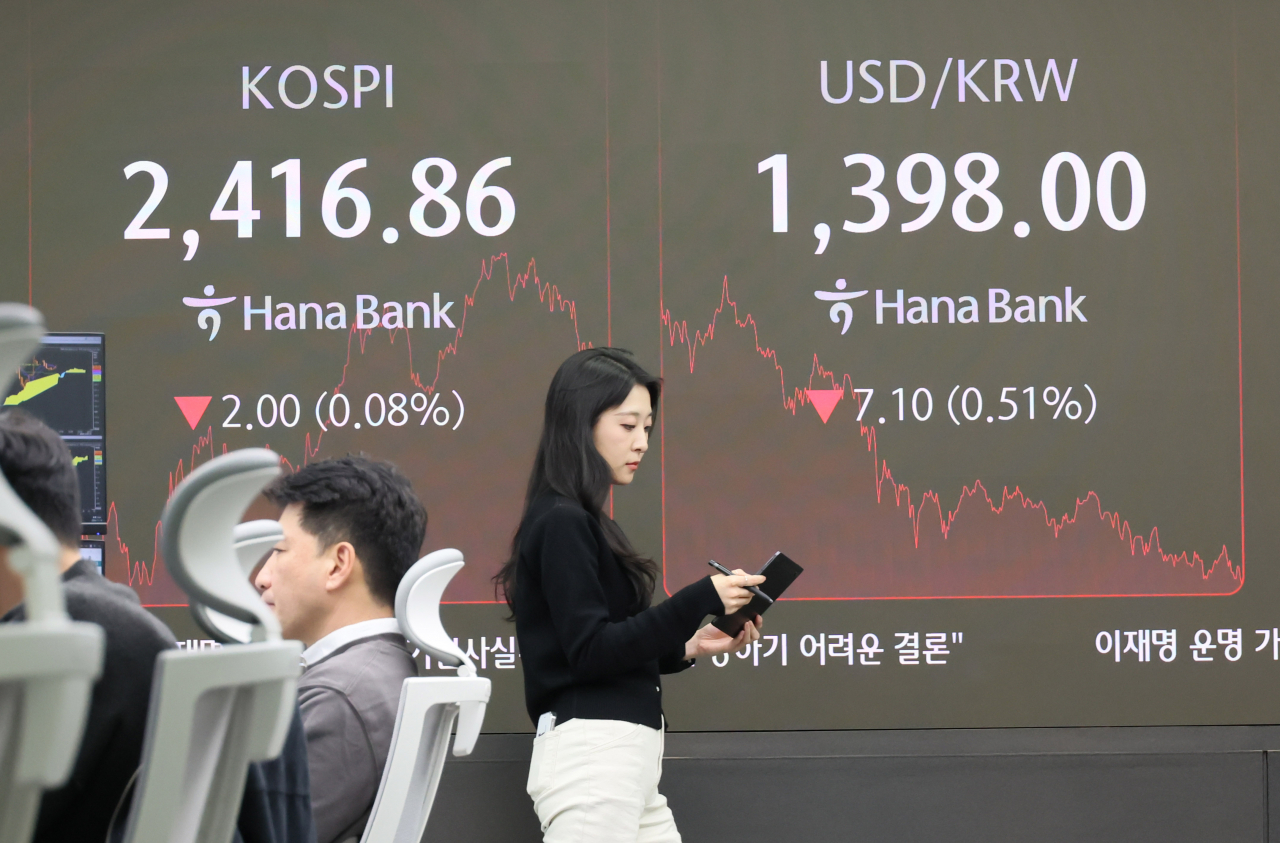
point(592, 647)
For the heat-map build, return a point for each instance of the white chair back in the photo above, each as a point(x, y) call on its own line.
point(253, 540)
point(213, 711)
point(48, 663)
point(428, 708)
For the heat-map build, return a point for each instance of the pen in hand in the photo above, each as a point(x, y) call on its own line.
point(754, 589)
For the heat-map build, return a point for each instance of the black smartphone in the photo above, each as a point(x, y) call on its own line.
point(779, 573)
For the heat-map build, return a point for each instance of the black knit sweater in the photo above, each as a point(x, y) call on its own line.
point(585, 651)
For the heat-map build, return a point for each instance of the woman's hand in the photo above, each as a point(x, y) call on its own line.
point(732, 591)
point(710, 641)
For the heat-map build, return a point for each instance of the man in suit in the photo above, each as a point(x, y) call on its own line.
point(352, 528)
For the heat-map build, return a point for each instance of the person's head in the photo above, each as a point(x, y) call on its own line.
point(37, 464)
point(595, 432)
point(595, 427)
point(352, 527)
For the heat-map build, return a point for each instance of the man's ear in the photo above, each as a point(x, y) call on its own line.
point(343, 566)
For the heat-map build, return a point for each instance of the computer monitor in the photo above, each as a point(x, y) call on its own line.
point(93, 549)
point(64, 385)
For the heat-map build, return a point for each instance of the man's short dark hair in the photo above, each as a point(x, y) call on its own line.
point(38, 466)
point(368, 503)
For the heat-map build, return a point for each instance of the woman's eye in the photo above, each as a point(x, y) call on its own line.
point(628, 427)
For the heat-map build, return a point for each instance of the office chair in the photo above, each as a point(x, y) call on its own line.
point(213, 711)
point(47, 664)
point(252, 540)
point(428, 708)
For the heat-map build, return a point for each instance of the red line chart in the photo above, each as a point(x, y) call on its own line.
point(938, 556)
point(154, 585)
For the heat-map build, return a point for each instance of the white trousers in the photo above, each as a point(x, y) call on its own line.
point(596, 781)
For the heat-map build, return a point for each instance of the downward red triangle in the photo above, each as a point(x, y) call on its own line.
point(193, 407)
point(823, 400)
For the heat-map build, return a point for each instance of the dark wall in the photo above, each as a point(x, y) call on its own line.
point(1041, 785)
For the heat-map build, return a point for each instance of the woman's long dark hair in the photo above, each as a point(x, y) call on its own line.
point(567, 463)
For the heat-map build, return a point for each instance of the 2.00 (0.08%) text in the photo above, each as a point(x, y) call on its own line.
point(396, 409)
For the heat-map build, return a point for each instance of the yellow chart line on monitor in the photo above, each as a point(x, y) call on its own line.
point(40, 385)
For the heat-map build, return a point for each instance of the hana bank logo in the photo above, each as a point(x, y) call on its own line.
point(369, 313)
point(1002, 306)
point(208, 318)
point(840, 310)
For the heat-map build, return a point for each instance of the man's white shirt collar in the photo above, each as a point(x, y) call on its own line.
point(339, 638)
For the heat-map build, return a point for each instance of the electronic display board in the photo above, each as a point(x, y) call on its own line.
point(962, 306)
